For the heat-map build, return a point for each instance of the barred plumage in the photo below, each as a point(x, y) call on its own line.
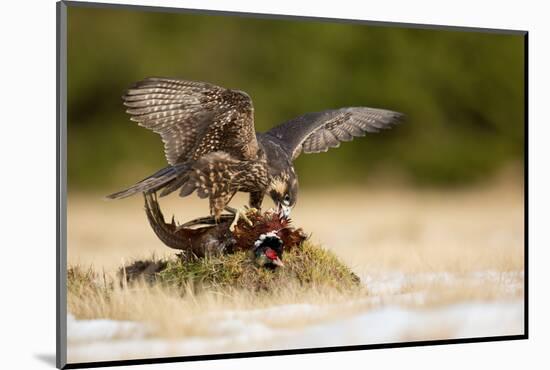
point(212, 147)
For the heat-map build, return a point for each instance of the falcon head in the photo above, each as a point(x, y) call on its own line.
point(268, 251)
point(284, 192)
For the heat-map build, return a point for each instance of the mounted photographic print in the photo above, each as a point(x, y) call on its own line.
point(236, 185)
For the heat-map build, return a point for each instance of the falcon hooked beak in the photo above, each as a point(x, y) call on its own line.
point(284, 209)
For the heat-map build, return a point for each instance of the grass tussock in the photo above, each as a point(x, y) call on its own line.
point(306, 266)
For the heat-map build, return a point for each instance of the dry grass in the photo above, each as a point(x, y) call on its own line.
point(412, 248)
point(182, 310)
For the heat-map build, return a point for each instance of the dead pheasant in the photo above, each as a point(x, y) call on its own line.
point(265, 235)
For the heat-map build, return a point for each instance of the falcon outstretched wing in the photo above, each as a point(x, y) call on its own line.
point(319, 131)
point(194, 118)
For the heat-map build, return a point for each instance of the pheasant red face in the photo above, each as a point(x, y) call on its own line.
point(272, 255)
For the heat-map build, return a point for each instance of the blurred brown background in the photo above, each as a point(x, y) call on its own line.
point(462, 92)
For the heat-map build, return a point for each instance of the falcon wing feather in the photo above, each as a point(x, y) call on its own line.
point(193, 118)
point(318, 132)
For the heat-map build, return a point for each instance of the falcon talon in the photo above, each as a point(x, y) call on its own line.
point(239, 214)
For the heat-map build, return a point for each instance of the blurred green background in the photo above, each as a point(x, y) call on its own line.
point(462, 92)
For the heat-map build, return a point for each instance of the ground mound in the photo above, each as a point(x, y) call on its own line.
point(306, 265)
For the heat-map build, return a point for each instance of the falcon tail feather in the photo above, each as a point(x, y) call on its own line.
point(156, 181)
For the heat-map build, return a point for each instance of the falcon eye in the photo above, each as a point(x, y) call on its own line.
point(286, 199)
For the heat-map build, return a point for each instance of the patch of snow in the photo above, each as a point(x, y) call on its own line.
point(395, 324)
point(394, 283)
point(102, 329)
point(274, 313)
point(108, 339)
point(386, 284)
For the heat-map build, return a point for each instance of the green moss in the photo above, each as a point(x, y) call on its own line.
point(306, 266)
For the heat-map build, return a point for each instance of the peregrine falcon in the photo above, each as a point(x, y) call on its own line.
point(212, 147)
